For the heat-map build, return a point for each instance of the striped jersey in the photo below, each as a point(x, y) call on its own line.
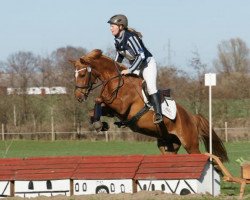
point(130, 46)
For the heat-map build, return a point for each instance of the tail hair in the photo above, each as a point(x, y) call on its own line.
point(218, 147)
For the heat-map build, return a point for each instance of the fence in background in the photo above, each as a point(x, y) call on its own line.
point(225, 133)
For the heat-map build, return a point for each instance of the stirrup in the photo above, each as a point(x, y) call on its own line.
point(157, 118)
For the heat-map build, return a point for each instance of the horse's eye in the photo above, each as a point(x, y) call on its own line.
point(82, 74)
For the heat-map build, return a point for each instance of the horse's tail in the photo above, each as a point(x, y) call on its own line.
point(217, 144)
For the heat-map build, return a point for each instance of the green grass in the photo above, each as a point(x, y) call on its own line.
point(66, 148)
point(10, 149)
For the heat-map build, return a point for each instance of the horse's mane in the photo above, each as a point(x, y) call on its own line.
point(97, 54)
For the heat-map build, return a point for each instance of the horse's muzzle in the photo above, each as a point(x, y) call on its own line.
point(81, 96)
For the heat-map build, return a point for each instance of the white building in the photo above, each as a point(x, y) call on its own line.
point(178, 174)
point(48, 176)
point(106, 174)
point(37, 91)
point(82, 175)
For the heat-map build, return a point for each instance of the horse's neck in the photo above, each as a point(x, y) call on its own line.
point(128, 96)
point(107, 71)
point(130, 86)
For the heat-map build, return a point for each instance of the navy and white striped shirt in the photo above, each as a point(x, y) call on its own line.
point(130, 46)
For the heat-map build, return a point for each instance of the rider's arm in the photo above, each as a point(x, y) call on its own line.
point(138, 52)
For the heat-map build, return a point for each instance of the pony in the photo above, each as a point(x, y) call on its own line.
point(122, 97)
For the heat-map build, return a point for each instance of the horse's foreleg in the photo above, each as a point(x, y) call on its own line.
point(95, 116)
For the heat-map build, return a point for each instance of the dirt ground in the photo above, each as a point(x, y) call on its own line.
point(143, 195)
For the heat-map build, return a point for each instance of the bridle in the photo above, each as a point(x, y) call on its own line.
point(89, 84)
point(89, 69)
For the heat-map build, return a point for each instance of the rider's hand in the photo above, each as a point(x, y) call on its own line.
point(124, 72)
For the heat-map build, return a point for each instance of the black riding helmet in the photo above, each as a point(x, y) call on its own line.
point(119, 20)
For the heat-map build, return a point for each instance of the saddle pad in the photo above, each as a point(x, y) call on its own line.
point(168, 106)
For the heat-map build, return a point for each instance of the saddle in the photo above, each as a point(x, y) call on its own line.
point(163, 93)
point(168, 105)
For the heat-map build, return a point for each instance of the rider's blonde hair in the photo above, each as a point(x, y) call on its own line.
point(135, 32)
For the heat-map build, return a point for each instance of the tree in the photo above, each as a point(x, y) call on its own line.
point(233, 56)
point(64, 73)
point(48, 72)
point(233, 67)
point(199, 94)
point(63, 68)
point(22, 66)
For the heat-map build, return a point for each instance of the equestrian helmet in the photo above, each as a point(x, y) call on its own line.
point(119, 20)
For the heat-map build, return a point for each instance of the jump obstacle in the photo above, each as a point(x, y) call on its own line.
point(81, 175)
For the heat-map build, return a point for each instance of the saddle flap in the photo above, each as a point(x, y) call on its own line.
point(169, 108)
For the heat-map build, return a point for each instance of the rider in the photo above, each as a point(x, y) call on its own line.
point(129, 45)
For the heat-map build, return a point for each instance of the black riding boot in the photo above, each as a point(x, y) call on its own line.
point(155, 101)
point(97, 112)
point(96, 118)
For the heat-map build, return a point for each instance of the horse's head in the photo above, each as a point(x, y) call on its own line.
point(85, 75)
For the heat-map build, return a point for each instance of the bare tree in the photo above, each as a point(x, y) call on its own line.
point(233, 56)
point(63, 67)
point(65, 73)
point(233, 66)
point(177, 80)
point(22, 67)
point(199, 94)
point(48, 72)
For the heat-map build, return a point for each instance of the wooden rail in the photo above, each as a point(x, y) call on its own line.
point(227, 176)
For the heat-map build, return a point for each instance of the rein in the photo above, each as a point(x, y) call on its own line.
point(119, 85)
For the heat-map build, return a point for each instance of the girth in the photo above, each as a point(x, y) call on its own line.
point(134, 119)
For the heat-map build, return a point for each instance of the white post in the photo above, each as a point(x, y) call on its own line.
point(3, 132)
point(226, 136)
point(210, 121)
point(106, 136)
point(52, 125)
point(210, 80)
point(14, 114)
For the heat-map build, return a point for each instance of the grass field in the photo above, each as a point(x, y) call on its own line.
point(23, 149)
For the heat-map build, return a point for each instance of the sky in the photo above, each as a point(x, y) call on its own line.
point(172, 29)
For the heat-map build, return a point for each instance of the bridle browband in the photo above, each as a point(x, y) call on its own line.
point(89, 85)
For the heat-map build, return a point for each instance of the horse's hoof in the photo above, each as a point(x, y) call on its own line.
point(105, 126)
point(97, 126)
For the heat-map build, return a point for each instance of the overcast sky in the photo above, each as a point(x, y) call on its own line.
point(183, 26)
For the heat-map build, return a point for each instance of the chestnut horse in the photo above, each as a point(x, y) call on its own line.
point(122, 96)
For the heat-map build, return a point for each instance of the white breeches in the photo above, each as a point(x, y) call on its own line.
point(150, 75)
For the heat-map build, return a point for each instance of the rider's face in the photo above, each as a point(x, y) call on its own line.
point(115, 29)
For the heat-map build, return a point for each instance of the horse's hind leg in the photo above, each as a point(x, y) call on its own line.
point(190, 142)
point(169, 145)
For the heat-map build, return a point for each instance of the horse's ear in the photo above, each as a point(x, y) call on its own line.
point(72, 61)
point(84, 61)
